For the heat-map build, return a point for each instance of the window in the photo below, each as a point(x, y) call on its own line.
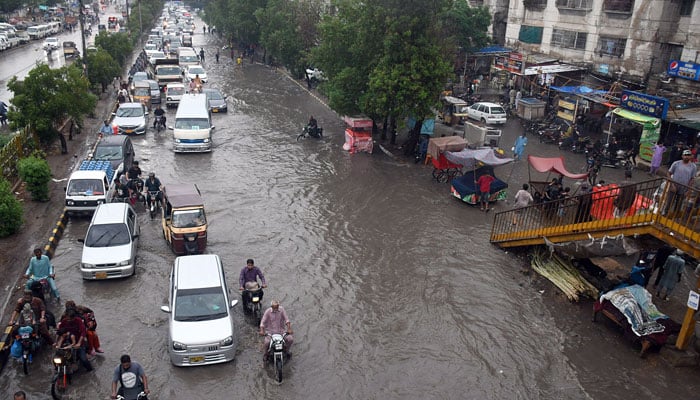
point(530, 34)
point(623, 6)
point(569, 39)
point(687, 7)
point(611, 46)
point(535, 4)
point(575, 4)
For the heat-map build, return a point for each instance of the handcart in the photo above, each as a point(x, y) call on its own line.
point(358, 135)
point(477, 163)
point(443, 169)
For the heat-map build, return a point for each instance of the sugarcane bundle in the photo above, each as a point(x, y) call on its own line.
point(562, 274)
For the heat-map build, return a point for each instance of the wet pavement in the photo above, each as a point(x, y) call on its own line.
point(392, 286)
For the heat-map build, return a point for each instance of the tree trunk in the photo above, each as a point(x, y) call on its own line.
point(384, 127)
point(412, 140)
point(392, 139)
point(64, 144)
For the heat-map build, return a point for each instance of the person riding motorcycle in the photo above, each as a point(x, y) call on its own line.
point(159, 114)
point(248, 280)
point(134, 172)
point(106, 129)
point(196, 84)
point(275, 321)
point(39, 311)
point(153, 184)
point(39, 268)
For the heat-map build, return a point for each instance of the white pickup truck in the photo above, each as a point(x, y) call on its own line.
point(92, 184)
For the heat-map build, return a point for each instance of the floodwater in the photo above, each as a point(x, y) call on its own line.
point(392, 286)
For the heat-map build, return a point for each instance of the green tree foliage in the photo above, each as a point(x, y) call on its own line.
point(10, 210)
point(278, 32)
point(46, 97)
point(102, 68)
point(36, 173)
point(8, 6)
point(143, 14)
point(467, 26)
point(117, 45)
point(237, 18)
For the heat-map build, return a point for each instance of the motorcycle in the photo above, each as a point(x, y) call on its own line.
point(40, 288)
point(160, 125)
point(31, 343)
point(152, 202)
point(276, 353)
point(135, 195)
point(550, 134)
point(253, 307)
point(65, 362)
point(316, 132)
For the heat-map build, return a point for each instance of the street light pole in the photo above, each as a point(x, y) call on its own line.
point(81, 17)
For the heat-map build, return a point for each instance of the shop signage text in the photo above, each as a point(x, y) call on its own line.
point(684, 69)
point(644, 104)
point(512, 63)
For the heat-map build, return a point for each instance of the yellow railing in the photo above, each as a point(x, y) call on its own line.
point(21, 145)
point(652, 207)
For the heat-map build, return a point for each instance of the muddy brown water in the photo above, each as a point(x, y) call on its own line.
point(392, 286)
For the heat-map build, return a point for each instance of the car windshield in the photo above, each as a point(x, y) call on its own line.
point(85, 187)
point(200, 304)
point(153, 85)
point(188, 58)
point(192, 123)
point(108, 153)
point(140, 76)
point(497, 110)
point(157, 54)
point(142, 91)
point(130, 112)
point(107, 235)
point(189, 218)
point(168, 71)
point(196, 71)
point(176, 91)
point(215, 95)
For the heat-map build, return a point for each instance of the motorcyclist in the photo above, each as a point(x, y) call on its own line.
point(159, 113)
point(39, 311)
point(74, 324)
point(135, 171)
point(153, 184)
point(248, 280)
point(275, 321)
point(196, 84)
point(312, 125)
point(39, 268)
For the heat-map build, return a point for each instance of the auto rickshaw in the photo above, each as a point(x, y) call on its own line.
point(184, 220)
point(142, 93)
point(453, 111)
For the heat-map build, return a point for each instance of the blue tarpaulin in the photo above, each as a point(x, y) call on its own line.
point(577, 90)
point(493, 50)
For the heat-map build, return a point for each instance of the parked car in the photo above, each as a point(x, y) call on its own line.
point(489, 113)
point(201, 327)
point(131, 118)
point(111, 242)
point(216, 101)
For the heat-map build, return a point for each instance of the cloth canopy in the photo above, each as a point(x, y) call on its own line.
point(555, 164)
point(647, 121)
point(577, 90)
point(470, 158)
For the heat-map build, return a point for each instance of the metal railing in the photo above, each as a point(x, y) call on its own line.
point(667, 210)
point(21, 145)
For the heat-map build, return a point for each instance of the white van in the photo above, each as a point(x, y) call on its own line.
point(201, 328)
point(35, 32)
point(54, 27)
point(192, 129)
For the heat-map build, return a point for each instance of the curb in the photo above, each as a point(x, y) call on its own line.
point(56, 234)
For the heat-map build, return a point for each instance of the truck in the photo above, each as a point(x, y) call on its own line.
point(166, 71)
point(92, 184)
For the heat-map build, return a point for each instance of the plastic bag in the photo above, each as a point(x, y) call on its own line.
point(512, 148)
point(16, 349)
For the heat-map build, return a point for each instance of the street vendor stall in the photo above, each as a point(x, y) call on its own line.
point(443, 170)
point(477, 163)
point(358, 135)
point(548, 165)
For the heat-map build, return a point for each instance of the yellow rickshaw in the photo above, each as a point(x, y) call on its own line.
point(141, 93)
point(184, 220)
point(453, 110)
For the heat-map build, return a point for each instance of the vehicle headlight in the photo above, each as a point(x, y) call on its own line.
point(206, 140)
point(177, 140)
point(227, 342)
point(70, 202)
point(124, 263)
point(57, 361)
point(169, 98)
point(179, 346)
point(88, 266)
point(100, 202)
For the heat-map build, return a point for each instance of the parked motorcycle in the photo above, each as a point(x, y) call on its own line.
point(276, 353)
point(254, 307)
point(152, 203)
point(550, 134)
point(65, 362)
point(316, 132)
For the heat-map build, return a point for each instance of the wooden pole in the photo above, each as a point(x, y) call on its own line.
point(687, 329)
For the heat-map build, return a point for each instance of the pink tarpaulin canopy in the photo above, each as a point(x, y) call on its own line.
point(555, 164)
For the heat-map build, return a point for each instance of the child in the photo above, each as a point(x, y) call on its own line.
point(65, 339)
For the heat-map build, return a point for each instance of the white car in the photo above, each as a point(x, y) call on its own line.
point(155, 55)
point(193, 71)
point(488, 113)
point(51, 43)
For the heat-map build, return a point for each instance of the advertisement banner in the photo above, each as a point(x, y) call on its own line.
point(644, 104)
point(684, 69)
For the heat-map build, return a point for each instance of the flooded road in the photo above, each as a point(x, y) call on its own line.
point(392, 287)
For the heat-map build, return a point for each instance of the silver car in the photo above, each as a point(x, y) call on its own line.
point(201, 329)
point(131, 118)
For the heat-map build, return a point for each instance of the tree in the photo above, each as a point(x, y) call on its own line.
point(279, 34)
point(10, 210)
point(102, 68)
point(36, 173)
point(7, 6)
point(117, 45)
point(46, 97)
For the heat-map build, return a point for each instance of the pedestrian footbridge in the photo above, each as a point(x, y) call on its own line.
point(657, 207)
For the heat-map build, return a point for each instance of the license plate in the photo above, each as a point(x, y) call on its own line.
point(100, 275)
point(196, 359)
point(215, 110)
point(129, 131)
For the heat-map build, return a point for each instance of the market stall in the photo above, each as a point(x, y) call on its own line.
point(477, 163)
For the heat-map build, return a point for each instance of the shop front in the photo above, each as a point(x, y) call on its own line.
point(628, 127)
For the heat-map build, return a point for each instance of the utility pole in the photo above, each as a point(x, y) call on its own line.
point(81, 17)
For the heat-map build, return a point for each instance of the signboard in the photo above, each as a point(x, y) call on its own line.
point(644, 104)
point(684, 69)
point(693, 300)
point(512, 63)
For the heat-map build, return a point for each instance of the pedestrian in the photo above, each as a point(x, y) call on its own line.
point(105, 129)
point(201, 54)
point(519, 147)
point(632, 153)
point(204, 29)
point(659, 261)
point(217, 56)
point(673, 270)
point(585, 202)
point(511, 95)
point(676, 153)
point(518, 96)
point(681, 175)
point(522, 199)
point(656, 158)
point(484, 185)
point(131, 377)
point(20, 395)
